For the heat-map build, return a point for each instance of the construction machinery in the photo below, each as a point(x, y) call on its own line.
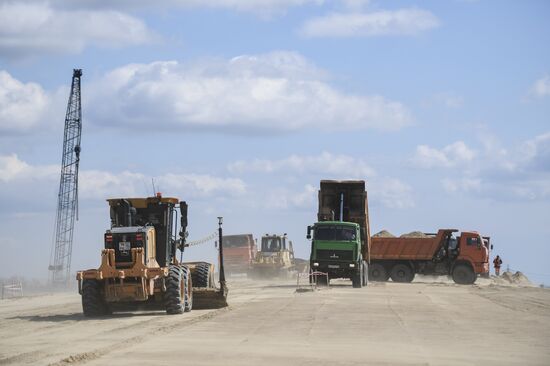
point(463, 257)
point(239, 252)
point(139, 268)
point(340, 239)
point(274, 259)
point(67, 199)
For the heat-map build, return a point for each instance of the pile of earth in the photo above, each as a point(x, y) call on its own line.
point(384, 234)
point(517, 278)
point(414, 234)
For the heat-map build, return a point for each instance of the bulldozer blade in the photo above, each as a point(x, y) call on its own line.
point(208, 298)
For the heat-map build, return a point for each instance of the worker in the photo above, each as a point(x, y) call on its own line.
point(497, 262)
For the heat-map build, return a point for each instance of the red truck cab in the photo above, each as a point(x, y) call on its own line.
point(238, 252)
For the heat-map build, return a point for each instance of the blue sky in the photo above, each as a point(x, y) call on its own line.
point(241, 107)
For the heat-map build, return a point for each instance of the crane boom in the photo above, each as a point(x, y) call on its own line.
point(67, 203)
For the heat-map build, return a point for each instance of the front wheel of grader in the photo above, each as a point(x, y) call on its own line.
point(178, 296)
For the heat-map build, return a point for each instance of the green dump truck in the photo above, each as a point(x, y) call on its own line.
point(340, 239)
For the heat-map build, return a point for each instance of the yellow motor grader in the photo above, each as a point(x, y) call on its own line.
point(139, 268)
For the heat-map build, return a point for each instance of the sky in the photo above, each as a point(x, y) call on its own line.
point(240, 107)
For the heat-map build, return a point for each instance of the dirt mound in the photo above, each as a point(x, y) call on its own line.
point(384, 234)
point(414, 234)
point(517, 278)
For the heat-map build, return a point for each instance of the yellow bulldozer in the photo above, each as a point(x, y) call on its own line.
point(274, 259)
point(139, 268)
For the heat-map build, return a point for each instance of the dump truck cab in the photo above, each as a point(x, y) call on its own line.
point(336, 248)
point(240, 250)
point(340, 239)
point(474, 250)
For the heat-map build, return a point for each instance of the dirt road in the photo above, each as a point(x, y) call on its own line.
point(271, 324)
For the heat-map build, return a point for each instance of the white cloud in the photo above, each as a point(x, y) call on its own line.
point(458, 184)
point(449, 156)
point(97, 184)
point(391, 192)
point(263, 8)
point(23, 106)
point(102, 184)
point(282, 198)
point(278, 91)
point(449, 100)
point(541, 87)
point(14, 170)
point(202, 184)
point(342, 166)
point(31, 28)
point(378, 23)
point(505, 173)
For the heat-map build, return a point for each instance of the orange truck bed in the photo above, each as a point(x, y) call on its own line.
point(407, 248)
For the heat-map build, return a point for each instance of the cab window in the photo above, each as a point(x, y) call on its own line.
point(472, 241)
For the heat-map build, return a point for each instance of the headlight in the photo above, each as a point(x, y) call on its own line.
point(315, 264)
point(352, 265)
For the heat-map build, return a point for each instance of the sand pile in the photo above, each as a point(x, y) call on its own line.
point(384, 234)
point(414, 234)
point(509, 278)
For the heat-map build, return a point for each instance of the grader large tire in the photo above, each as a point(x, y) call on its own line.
point(463, 274)
point(402, 273)
point(174, 294)
point(201, 275)
point(93, 303)
point(188, 289)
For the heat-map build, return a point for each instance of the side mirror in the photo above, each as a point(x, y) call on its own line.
point(491, 246)
point(308, 236)
point(183, 211)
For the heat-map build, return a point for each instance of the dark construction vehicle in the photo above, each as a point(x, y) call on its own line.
point(139, 268)
point(340, 243)
point(239, 252)
point(463, 257)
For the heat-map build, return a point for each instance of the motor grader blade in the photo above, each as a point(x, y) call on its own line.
point(206, 295)
point(210, 298)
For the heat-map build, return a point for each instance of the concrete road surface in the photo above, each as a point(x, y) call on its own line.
point(272, 324)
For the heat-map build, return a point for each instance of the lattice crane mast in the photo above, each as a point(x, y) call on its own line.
point(67, 203)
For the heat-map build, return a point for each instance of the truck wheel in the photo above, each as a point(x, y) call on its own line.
point(93, 303)
point(188, 289)
point(365, 273)
point(357, 279)
point(463, 274)
point(174, 286)
point(402, 273)
point(201, 275)
point(377, 272)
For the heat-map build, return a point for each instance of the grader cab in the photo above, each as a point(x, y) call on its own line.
point(139, 267)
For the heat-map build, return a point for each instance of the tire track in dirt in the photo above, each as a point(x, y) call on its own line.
point(83, 357)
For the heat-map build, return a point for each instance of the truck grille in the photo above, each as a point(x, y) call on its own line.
point(334, 255)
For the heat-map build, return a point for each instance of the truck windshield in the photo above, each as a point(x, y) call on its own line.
point(235, 241)
point(335, 233)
